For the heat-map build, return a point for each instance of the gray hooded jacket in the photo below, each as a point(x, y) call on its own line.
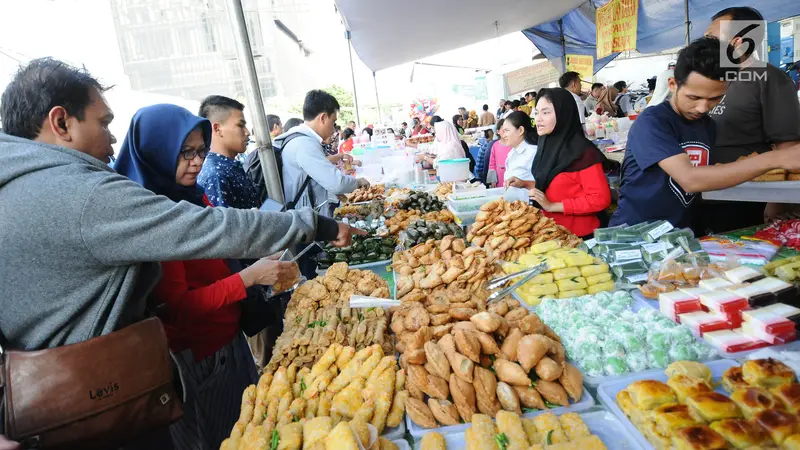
point(78, 241)
point(303, 156)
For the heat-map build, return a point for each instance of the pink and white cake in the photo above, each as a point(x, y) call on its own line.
point(733, 341)
point(723, 301)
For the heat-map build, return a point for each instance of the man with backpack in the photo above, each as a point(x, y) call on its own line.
point(309, 178)
point(308, 175)
point(623, 101)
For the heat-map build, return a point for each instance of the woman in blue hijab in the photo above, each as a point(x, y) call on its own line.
point(158, 135)
point(199, 300)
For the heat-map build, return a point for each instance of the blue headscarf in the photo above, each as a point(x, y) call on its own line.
point(149, 154)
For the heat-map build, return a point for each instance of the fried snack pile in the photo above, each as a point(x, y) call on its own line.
point(544, 431)
point(501, 358)
point(401, 220)
point(438, 265)
point(310, 333)
point(319, 315)
point(506, 230)
point(334, 289)
point(357, 212)
point(310, 407)
point(284, 284)
point(366, 194)
point(443, 190)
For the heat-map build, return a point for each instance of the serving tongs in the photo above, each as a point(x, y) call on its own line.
point(495, 283)
point(527, 275)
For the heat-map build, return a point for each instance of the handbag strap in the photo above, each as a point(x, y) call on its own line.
point(3, 345)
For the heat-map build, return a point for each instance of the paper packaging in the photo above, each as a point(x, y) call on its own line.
point(723, 301)
point(753, 331)
point(714, 284)
point(768, 322)
point(756, 295)
point(783, 291)
point(790, 312)
point(732, 341)
point(693, 291)
point(703, 322)
point(672, 304)
point(742, 274)
point(656, 230)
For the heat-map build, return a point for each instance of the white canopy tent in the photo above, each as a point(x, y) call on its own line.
point(385, 33)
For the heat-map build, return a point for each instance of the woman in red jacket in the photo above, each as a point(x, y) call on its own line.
point(198, 300)
point(570, 185)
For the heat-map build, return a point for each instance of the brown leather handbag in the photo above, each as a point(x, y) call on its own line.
point(95, 394)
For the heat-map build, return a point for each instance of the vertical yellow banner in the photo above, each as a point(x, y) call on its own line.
point(583, 64)
point(617, 23)
point(604, 21)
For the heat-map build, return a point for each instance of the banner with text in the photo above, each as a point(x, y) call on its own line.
point(530, 78)
point(584, 65)
point(616, 24)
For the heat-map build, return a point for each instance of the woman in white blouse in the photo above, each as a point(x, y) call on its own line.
point(519, 134)
point(448, 144)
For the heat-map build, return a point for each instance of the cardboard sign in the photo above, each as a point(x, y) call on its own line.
point(616, 27)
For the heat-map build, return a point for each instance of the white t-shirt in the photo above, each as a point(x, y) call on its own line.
point(625, 104)
point(581, 107)
point(520, 162)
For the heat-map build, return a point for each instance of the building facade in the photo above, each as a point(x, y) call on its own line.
point(186, 48)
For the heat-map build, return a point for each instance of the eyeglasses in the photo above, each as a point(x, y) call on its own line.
point(192, 154)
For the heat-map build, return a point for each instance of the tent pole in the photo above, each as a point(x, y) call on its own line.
point(248, 68)
point(563, 46)
point(353, 74)
point(688, 24)
point(378, 100)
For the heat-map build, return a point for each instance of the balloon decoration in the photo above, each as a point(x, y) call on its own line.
point(423, 109)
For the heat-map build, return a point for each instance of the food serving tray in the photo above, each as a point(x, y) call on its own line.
point(417, 431)
point(601, 423)
point(607, 393)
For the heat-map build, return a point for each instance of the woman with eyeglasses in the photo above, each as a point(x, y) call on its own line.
point(198, 301)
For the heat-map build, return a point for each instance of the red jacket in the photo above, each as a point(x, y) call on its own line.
point(584, 193)
point(202, 304)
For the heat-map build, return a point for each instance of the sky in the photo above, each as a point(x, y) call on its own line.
point(78, 31)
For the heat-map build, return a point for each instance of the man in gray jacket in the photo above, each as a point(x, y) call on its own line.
point(303, 156)
point(79, 241)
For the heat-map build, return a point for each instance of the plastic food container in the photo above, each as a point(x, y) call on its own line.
point(601, 423)
point(395, 433)
point(464, 188)
point(454, 170)
point(380, 268)
point(463, 219)
point(472, 201)
point(401, 444)
point(417, 431)
point(607, 393)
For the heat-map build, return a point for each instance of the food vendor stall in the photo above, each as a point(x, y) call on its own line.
point(416, 351)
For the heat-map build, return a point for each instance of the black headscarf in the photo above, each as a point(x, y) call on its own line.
point(566, 149)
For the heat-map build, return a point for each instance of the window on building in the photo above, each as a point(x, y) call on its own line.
point(208, 33)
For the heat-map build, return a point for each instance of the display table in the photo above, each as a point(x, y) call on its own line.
point(775, 191)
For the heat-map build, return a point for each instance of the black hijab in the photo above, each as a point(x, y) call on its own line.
point(566, 149)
